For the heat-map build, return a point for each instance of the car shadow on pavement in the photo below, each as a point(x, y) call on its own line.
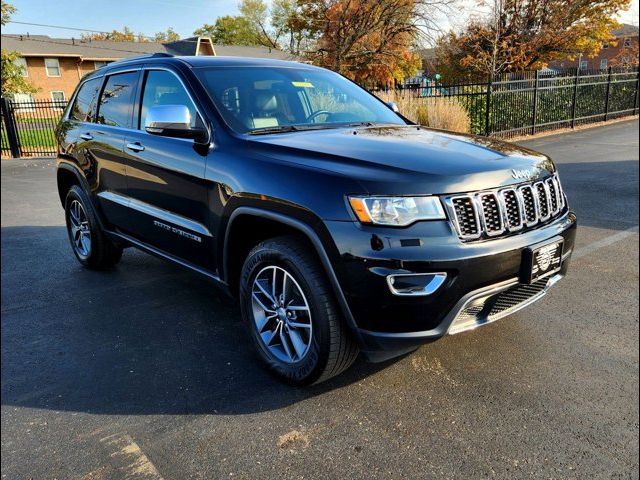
point(145, 338)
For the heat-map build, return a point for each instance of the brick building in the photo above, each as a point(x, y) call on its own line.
point(624, 53)
point(55, 65)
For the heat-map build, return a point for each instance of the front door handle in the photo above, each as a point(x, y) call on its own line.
point(86, 136)
point(135, 146)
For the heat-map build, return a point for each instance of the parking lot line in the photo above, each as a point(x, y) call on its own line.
point(605, 242)
point(129, 461)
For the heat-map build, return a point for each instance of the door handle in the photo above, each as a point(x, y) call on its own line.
point(135, 146)
point(86, 136)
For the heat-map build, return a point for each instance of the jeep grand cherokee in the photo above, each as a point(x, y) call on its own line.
point(338, 224)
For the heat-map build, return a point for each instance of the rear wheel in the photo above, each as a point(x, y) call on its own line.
point(90, 245)
point(289, 310)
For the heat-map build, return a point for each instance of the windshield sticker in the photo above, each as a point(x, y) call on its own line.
point(302, 84)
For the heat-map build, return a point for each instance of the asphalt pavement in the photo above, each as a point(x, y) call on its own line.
point(146, 372)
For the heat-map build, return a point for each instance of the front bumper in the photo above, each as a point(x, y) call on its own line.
point(476, 273)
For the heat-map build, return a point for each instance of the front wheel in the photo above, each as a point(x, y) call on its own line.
point(290, 312)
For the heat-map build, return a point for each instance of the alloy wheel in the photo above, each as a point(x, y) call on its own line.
point(79, 229)
point(281, 314)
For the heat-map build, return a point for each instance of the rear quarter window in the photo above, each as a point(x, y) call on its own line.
point(84, 105)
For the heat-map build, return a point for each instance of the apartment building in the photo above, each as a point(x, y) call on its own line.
point(55, 65)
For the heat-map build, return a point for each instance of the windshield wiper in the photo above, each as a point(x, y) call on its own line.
point(276, 129)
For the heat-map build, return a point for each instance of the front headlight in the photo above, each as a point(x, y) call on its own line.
point(397, 211)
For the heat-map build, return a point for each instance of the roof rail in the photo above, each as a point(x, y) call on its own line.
point(140, 57)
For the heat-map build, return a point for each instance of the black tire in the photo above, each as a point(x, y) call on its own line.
point(101, 253)
point(331, 349)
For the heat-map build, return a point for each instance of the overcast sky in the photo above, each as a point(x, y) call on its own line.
point(150, 16)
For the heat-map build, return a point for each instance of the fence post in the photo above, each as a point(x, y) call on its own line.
point(574, 105)
point(606, 101)
point(635, 98)
point(487, 116)
point(10, 124)
point(535, 102)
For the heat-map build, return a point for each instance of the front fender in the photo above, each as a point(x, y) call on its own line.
point(315, 239)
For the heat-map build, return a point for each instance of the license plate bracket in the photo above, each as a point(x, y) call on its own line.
point(542, 260)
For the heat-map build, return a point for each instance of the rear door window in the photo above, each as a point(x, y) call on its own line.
point(116, 101)
point(84, 105)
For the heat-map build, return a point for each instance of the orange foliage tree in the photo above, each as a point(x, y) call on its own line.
point(527, 34)
point(369, 41)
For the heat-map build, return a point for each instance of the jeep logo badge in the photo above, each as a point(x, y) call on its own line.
point(522, 174)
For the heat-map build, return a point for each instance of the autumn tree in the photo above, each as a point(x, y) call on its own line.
point(528, 34)
point(627, 57)
point(169, 35)
point(368, 41)
point(279, 24)
point(124, 35)
point(230, 30)
point(12, 74)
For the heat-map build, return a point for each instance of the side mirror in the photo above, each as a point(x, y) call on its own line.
point(393, 106)
point(172, 121)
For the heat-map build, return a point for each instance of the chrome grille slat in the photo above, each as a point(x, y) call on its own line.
point(512, 209)
point(542, 195)
point(466, 217)
point(492, 213)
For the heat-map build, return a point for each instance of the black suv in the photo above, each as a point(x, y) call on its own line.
point(340, 225)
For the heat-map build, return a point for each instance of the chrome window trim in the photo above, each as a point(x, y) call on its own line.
point(437, 281)
point(155, 212)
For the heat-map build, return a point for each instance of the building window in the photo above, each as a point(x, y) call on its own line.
point(584, 64)
point(58, 99)
point(22, 63)
point(52, 66)
point(99, 64)
point(604, 64)
point(25, 100)
point(627, 43)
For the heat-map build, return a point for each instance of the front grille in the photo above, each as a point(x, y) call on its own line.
point(497, 212)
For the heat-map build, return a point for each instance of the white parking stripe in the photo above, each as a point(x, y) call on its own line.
point(605, 242)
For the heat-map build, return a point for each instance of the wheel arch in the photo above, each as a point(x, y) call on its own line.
point(288, 224)
point(68, 175)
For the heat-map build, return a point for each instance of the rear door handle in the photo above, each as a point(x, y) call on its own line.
point(86, 136)
point(135, 146)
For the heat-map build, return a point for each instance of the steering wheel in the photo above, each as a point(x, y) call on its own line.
point(313, 116)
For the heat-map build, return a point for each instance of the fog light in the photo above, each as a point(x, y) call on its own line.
point(415, 284)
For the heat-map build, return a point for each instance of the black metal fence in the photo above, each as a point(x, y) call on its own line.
point(510, 105)
point(525, 103)
point(28, 127)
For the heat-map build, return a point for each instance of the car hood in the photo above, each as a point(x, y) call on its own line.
point(409, 159)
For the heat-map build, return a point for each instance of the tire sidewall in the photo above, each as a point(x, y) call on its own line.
point(76, 193)
point(311, 366)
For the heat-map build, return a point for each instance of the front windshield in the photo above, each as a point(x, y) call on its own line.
point(259, 99)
